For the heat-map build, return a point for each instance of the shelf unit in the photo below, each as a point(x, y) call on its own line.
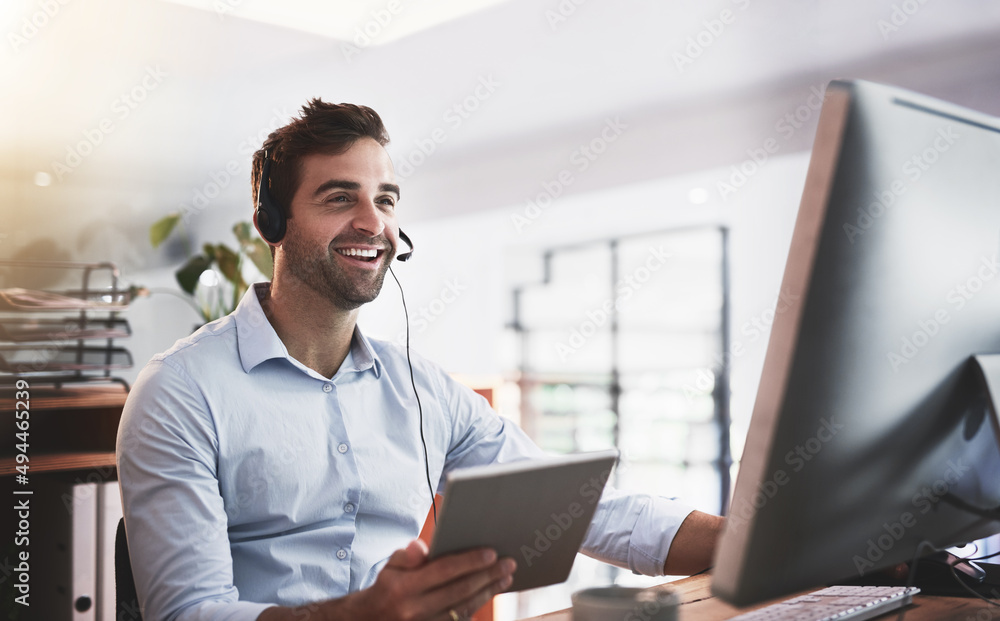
point(61, 337)
point(60, 405)
point(62, 343)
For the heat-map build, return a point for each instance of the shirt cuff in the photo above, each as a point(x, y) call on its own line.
point(653, 533)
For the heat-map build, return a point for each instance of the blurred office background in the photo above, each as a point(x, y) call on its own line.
point(601, 193)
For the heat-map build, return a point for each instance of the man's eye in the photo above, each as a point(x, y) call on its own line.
point(388, 201)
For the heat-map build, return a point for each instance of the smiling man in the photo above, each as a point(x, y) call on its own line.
point(275, 464)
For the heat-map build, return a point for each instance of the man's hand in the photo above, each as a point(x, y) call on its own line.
point(411, 588)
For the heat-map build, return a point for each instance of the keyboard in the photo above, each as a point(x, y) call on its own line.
point(842, 603)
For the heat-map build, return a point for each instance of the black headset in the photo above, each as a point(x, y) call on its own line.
point(271, 219)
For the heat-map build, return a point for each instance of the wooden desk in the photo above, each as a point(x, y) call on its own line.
point(699, 605)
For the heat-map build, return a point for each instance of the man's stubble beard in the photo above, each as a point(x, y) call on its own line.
point(318, 271)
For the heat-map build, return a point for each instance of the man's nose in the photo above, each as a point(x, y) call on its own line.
point(368, 218)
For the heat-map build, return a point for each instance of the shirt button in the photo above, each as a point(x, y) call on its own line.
point(348, 508)
point(341, 554)
point(327, 387)
point(342, 448)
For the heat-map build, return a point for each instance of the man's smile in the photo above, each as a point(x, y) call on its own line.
point(367, 256)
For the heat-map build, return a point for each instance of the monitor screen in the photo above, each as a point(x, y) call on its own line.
point(872, 431)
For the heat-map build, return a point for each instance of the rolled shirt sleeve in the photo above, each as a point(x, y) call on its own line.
point(634, 531)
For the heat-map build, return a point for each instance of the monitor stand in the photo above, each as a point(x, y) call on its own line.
point(934, 577)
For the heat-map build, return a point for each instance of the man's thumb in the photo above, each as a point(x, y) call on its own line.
point(412, 556)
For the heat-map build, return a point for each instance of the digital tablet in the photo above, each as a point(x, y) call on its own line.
point(534, 511)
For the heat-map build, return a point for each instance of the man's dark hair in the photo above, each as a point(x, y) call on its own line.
point(322, 127)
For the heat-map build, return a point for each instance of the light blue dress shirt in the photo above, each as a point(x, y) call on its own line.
point(250, 480)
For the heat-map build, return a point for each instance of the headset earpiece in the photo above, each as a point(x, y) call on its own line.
point(270, 217)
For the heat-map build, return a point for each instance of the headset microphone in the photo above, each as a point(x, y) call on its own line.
point(406, 255)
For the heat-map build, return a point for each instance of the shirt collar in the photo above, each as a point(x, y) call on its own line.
point(362, 356)
point(257, 341)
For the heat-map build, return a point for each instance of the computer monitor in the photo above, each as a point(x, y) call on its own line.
point(872, 430)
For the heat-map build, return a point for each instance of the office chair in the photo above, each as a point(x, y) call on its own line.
point(126, 599)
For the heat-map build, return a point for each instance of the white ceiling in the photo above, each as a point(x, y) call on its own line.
point(225, 78)
point(371, 22)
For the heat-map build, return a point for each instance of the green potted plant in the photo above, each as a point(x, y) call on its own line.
point(213, 261)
